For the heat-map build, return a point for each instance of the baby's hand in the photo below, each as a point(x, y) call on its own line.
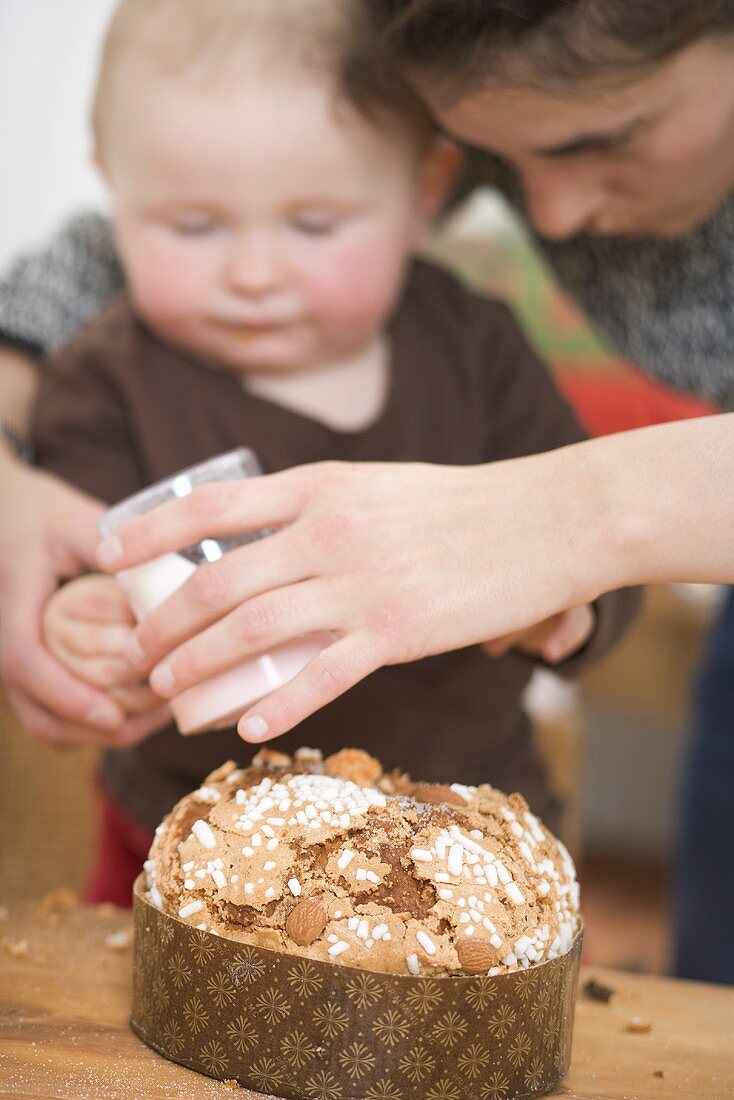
point(86, 625)
point(553, 640)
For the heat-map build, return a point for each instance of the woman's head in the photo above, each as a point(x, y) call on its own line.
point(618, 115)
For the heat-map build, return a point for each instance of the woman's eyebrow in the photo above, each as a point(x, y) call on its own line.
point(583, 143)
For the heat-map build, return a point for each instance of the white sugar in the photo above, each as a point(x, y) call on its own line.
point(203, 834)
point(455, 860)
point(412, 963)
point(190, 909)
point(515, 894)
point(345, 859)
point(426, 942)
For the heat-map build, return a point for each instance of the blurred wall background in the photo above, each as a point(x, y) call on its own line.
point(48, 51)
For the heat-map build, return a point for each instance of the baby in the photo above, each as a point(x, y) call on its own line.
point(268, 196)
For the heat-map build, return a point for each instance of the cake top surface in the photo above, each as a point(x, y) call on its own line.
point(336, 860)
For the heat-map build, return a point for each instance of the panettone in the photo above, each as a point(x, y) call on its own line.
point(334, 860)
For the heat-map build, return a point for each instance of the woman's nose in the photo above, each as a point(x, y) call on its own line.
point(563, 203)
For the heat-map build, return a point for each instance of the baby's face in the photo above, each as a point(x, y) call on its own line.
point(260, 226)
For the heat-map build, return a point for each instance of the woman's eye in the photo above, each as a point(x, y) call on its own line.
point(193, 228)
point(315, 226)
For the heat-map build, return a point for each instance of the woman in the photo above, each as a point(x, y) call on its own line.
point(612, 125)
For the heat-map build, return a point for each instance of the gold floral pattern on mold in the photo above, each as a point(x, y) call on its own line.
point(444, 1090)
point(173, 1036)
point(541, 1005)
point(220, 989)
point(450, 1028)
point(304, 980)
point(298, 1049)
point(159, 993)
point(247, 966)
point(550, 1033)
point(391, 1027)
point(165, 931)
point(533, 1076)
point(272, 1006)
point(502, 1022)
point(242, 1034)
point(357, 1060)
point(497, 1087)
point(424, 998)
point(214, 1056)
point(473, 1060)
point(482, 994)
point(384, 1089)
point(200, 947)
point(266, 1074)
point(330, 1019)
point(519, 1049)
point(526, 990)
point(179, 970)
point(417, 1063)
point(195, 1015)
point(363, 991)
point(323, 1086)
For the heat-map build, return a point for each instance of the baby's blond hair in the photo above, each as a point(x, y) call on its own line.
point(206, 40)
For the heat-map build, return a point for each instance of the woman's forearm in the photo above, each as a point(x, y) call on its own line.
point(661, 502)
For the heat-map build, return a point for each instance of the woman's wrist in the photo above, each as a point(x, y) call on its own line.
point(659, 504)
point(610, 528)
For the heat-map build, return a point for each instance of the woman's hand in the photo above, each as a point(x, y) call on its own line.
point(47, 533)
point(399, 561)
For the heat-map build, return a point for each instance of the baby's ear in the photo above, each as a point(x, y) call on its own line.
point(438, 173)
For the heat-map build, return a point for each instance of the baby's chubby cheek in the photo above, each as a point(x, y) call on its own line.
point(357, 295)
point(167, 297)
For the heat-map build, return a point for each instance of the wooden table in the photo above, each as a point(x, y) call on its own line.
point(65, 997)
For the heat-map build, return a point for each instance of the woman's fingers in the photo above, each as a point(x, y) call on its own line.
point(213, 591)
point(136, 699)
point(218, 510)
point(256, 626)
point(332, 672)
point(36, 683)
point(48, 728)
point(140, 726)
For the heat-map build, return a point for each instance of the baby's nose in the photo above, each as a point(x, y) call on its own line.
point(253, 266)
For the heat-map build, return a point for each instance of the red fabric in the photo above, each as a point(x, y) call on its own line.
point(607, 403)
point(122, 845)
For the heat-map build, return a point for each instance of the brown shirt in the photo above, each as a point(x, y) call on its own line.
point(118, 409)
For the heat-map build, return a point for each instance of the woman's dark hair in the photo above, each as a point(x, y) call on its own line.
point(458, 45)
